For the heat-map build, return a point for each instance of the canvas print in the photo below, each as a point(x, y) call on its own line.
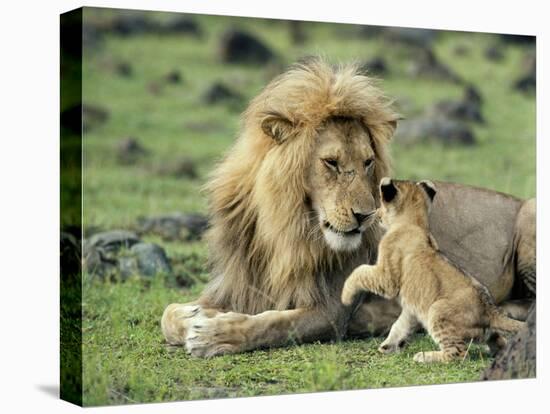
point(262, 207)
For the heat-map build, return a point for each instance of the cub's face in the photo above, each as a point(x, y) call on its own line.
point(400, 198)
point(343, 183)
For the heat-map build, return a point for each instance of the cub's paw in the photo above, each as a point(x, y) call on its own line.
point(352, 286)
point(224, 333)
point(430, 357)
point(391, 348)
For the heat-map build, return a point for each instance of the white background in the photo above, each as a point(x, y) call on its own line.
point(29, 206)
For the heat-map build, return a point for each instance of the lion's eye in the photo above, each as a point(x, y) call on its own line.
point(331, 163)
point(369, 163)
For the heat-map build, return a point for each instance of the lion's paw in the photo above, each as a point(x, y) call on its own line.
point(218, 335)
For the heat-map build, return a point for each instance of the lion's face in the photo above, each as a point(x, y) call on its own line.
point(343, 184)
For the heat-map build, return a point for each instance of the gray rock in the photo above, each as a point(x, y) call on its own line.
point(151, 259)
point(410, 36)
point(439, 128)
point(220, 93)
point(427, 65)
point(494, 53)
point(518, 359)
point(376, 66)
point(177, 226)
point(527, 82)
point(242, 47)
point(183, 168)
point(180, 24)
point(129, 151)
point(466, 109)
point(112, 241)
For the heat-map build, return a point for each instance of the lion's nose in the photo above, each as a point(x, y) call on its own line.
point(361, 218)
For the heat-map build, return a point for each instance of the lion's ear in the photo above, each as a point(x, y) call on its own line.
point(387, 189)
point(277, 127)
point(429, 188)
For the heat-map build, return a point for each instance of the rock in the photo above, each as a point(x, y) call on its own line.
point(376, 66)
point(177, 226)
point(183, 168)
point(219, 93)
point(129, 151)
point(461, 50)
point(123, 69)
point(467, 109)
point(427, 65)
point(518, 359)
point(242, 47)
point(83, 117)
point(297, 32)
point(93, 116)
point(129, 23)
point(494, 53)
point(411, 37)
point(180, 24)
point(121, 253)
point(112, 241)
point(527, 82)
point(145, 259)
point(173, 77)
point(518, 39)
point(70, 254)
point(440, 128)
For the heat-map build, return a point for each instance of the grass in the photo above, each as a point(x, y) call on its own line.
point(124, 357)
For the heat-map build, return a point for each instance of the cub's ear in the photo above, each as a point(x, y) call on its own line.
point(388, 190)
point(429, 188)
point(277, 127)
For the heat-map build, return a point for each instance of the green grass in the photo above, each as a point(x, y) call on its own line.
point(125, 358)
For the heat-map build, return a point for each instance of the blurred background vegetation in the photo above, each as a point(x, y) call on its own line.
point(162, 94)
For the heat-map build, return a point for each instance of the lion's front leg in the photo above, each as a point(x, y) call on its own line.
point(368, 278)
point(207, 333)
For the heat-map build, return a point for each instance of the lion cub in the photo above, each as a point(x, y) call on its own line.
point(452, 306)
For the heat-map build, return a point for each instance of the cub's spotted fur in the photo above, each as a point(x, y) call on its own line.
point(451, 305)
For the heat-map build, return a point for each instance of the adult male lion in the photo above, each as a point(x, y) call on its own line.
point(291, 209)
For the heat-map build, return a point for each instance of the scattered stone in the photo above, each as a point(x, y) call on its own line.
point(83, 117)
point(121, 253)
point(242, 47)
point(427, 65)
point(494, 53)
point(93, 116)
point(124, 69)
point(518, 359)
point(440, 128)
point(466, 109)
point(129, 151)
point(180, 24)
point(177, 226)
point(527, 82)
point(376, 66)
point(70, 254)
point(461, 50)
point(518, 39)
point(173, 77)
point(204, 126)
point(297, 32)
point(183, 168)
point(422, 38)
point(112, 241)
point(131, 23)
point(219, 93)
point(144, 259)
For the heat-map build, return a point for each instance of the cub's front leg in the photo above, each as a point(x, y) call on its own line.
point(369, 278)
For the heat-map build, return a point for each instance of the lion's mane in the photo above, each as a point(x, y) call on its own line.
point(264, 250)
